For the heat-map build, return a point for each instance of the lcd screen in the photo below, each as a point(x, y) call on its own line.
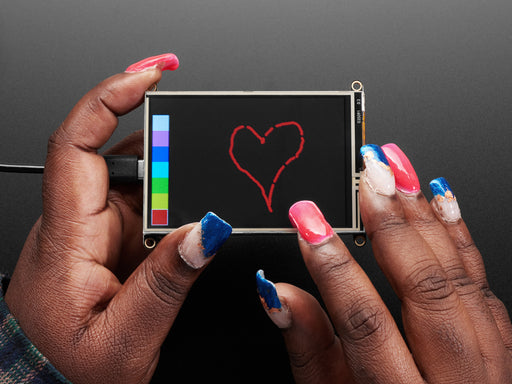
point(248, 156)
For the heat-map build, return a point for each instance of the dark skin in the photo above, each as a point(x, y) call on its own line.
point(85, 291)
point(457, 330)
point(99, 306)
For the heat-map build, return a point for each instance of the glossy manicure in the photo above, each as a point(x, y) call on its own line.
point(377, 174)
point(165, 62)
point(445, 201)
point(310, 222)
point(278, 313)
point(406, 179)
point(204, 240)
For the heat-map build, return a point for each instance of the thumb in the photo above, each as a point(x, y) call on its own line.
point(315, 352)
point(147, 305)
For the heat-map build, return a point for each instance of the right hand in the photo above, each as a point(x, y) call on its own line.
point(457, 331)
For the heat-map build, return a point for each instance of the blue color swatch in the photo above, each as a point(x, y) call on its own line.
point(160, 154)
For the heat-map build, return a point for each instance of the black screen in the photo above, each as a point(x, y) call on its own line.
point(248, 158)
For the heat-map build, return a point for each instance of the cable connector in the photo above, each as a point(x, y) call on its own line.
point(124, 168)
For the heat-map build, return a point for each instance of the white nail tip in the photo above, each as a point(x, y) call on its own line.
point(190, 250)
point(448, 209)
point(379, 178)
point(282, 319)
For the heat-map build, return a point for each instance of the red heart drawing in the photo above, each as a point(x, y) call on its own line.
point(262, 139)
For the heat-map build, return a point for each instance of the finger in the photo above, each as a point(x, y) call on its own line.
point(368, 333)
point(439, 329)
point(75, 179)
point(447, 209)
point(315, 352)
point(419, 213)
point(143, 311)
point(128, 200)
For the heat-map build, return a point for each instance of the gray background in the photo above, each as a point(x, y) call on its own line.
point(438, 83)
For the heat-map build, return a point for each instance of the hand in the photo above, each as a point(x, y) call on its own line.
point(68, 290)
point(457, 331)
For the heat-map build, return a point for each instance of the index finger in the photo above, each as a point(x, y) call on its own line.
point(76, 177)
point(368, 333)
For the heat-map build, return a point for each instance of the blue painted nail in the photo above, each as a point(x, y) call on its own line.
point(445, 201)
point(214, 232)
point(375, 152)
point(278, 311)
point(204, 240)
point(440, 187)
point(267, 292)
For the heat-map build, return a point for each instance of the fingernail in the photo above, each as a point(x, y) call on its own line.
point(445, 201)
point(204, 240)
point(165, 62)
point(378, 173)
point(406, 179)
point(310, 222)
point(277, 312)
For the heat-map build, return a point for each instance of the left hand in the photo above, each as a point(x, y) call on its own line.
point(85, 291)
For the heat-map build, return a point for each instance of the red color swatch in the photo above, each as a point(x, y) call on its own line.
point(262, 139)
point(159, 217)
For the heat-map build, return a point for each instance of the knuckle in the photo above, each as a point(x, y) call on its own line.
point(388, 226)
point(462, 283)
point(390, 221)
point(335, 267)
point(487, 292)
point(306, 363)
point(95, 104)
point(366, 324)
point(497, 306)
point(302, 360)
point(425, 219)
point(330, 261)
point(170, 291)
point(429, 286)
point(55, 140)
point(465, 245)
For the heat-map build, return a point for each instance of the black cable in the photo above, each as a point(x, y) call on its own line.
point(21, 168)
point(121, 168)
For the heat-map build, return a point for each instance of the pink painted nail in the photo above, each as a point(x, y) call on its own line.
point(405, 176)
point(165, 62)
point(310, 222)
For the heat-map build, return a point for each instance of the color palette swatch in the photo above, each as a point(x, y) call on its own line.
point(160, 170)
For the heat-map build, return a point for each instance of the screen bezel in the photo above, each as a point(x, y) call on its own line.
point(356, 139)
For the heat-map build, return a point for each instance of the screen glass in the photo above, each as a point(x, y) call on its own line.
point(247, 158)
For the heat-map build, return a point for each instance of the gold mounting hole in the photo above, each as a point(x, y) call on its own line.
point(357, 86)
point(150, 243)
point(153, 88)
point(360, 240)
